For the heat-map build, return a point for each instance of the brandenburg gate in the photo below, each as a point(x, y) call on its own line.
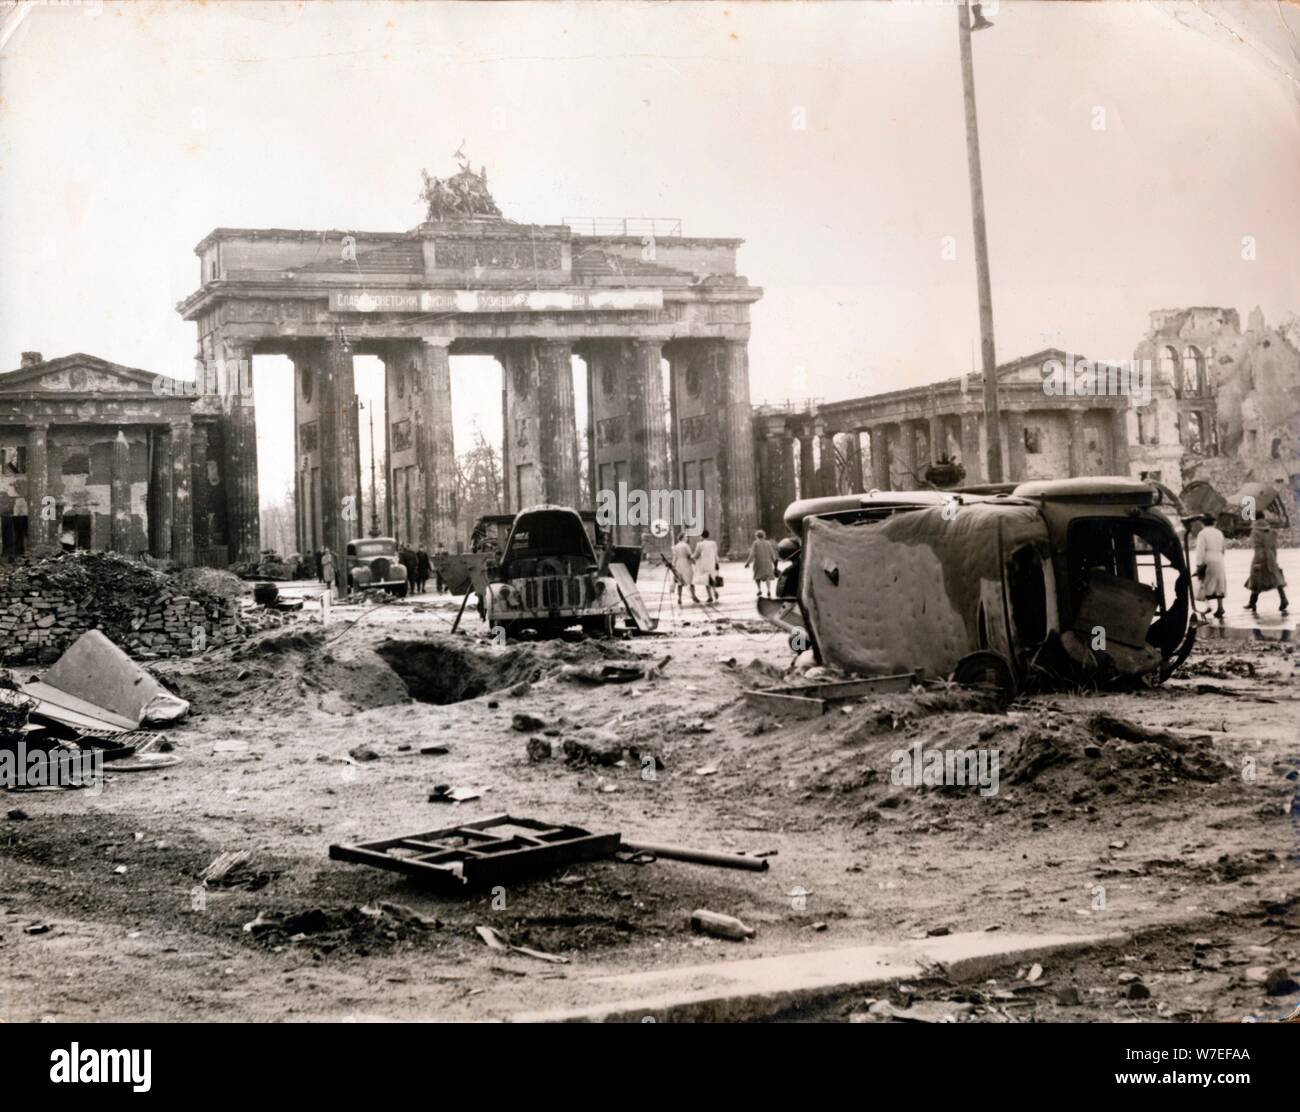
point(469, 282)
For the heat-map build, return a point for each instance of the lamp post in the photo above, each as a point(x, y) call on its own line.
point(992, 426)
point(374, 500)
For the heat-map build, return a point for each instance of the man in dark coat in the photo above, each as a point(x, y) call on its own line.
point(407, 556)
point(421, 570)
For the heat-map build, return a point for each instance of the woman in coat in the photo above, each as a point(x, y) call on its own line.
point(684, 567)
point(1265, 573)
point(763, 557)
point(1208, 562)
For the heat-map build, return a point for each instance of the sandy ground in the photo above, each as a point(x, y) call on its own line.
point(1183, 839)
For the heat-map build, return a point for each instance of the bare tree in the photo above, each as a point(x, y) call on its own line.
point(478, 484)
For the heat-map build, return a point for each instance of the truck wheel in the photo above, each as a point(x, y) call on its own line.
point(400, 590)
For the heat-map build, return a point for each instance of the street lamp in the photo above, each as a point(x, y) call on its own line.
point(992, 426)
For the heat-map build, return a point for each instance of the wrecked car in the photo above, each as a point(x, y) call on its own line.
point(373, 563)
point(550, 576)
point(1035, 584)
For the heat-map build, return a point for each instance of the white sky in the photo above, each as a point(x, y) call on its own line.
point(127, 132)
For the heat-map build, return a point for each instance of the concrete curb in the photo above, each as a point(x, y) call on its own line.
point(755, 988)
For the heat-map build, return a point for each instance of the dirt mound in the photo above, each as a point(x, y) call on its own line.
point(956, 748)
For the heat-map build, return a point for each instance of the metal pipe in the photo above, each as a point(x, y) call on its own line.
point(699, 856)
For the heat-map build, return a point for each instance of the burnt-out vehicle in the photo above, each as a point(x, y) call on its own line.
point(373, 563)
point(553, 572)
point(1034, 585)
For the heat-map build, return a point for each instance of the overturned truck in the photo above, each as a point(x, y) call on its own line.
point(1030, 585)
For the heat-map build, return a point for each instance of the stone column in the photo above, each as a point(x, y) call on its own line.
point(160, 478)
point(807, 466)
point(778, 447)
point(1015, 445)
point(645, 417)
point(120, 494)
point(1119, 453)
point(299, 533)
point(507, 472)
point(907, 456)
point(41, 524)
point(971, 460)
point(828, 479)
point(239, 420)
point(340, 518)
point(736, 477)
point(200, 513)
point(182, 539)
point(557, 448)
point(938, 439)
point(437, 453)
point(1078, 465)
point(879, 457)
point(853, 445)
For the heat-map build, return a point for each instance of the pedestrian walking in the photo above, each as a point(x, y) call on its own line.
point(1212, 577)
point(762, 555)
point(437, 568)
point(421, 569)
point(327, 569)
point(1265, 572)
point(684, 567)
point(705, 558)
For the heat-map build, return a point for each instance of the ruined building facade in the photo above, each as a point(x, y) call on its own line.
point(97, 455)
point(1224, 406)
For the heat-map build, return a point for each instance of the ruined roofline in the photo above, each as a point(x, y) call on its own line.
point(426, 228)
point(672, 241)
point(972, 379)
point(81, 358)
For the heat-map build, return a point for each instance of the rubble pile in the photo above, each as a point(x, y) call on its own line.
point(46, 604)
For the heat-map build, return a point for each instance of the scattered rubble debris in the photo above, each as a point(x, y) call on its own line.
point(720, 926)
point(497, 941)
point(613, 673)
point(447, 793)
point(809, 700)
point(325, 929)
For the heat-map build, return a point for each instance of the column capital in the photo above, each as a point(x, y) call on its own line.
point(437, 341)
